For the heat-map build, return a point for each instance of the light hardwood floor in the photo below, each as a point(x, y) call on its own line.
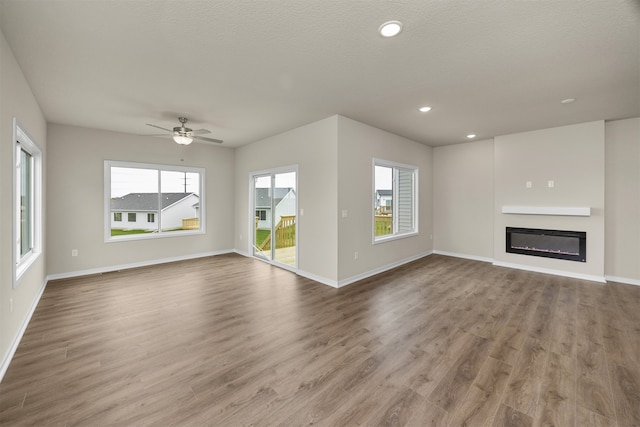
point(231, 341)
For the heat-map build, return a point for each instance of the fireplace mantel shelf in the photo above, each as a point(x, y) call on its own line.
point(547, 210)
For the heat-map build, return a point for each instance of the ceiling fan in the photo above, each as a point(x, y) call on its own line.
point(185, 136)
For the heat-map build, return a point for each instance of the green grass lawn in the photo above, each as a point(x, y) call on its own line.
point(260, 236)
point(121, 232)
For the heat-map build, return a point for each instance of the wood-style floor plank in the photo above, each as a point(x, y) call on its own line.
point(229, 340)
point(593, 387)
point(557, 404)
point(481, 402)
point(509, 417)
point(523, 391)
point(455, 384)
point(626, 392)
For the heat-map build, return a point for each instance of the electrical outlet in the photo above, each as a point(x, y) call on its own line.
point(344, 213)
point(355, 255)
point(74, 252)
point(551, 183)
point(529, 184)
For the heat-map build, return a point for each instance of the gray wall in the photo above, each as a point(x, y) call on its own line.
point(17, 100)
point(464, 186)
point(313, 149)
point(76, 199)
point(571, 156)
point(334, 158)
point(463, 199)
point(358, 145)
point(622, 200)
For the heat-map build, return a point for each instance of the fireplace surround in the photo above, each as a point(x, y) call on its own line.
point(560, 244)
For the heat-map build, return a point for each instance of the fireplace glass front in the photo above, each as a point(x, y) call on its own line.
point(569, 245)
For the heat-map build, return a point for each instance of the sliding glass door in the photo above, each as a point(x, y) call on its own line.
point(275, 205)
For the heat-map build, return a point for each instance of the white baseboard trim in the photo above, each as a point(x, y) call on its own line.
point(379, 270)
point(112, 268)
point(624, 280)
point(243, 253)
point(599, 279)
point(350, 280)
point(465, 256)
point(319, 279)
point(314, 277)
point(6, 360)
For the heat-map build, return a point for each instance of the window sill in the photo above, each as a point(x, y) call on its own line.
point(23, 266)
point(384, 239)
point(151, 236)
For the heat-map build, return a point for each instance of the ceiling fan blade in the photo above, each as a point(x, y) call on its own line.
point(200, 131)
point(155, 126)
point(202, 138)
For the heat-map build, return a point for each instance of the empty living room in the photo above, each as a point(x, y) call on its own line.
point(335, 213)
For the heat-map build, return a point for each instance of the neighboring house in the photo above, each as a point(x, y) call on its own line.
point(285, 204)
point(139, 211)
point(384, 201)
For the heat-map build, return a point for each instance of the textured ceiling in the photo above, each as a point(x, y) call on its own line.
point(247, 70)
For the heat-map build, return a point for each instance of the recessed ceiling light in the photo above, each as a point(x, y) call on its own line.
point(390, 28)
point(471, 135)
point(568, 101)
point(424, 109)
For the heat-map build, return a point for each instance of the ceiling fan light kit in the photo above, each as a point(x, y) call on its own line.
point(184, 135)
point(182, 140)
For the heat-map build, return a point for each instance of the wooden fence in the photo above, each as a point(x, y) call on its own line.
point(191, 223)
point(285, 233)
point(384, 224)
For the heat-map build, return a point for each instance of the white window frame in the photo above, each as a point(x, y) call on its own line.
point(108, 238)
point(396, 234)
point(21, 263)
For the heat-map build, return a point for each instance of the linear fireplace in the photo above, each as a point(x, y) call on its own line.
point(569, 245)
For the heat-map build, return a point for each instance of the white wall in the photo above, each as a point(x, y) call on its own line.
point(16, 100)
point(75, 178)
point(313, 148)
point(358, 145)
point(287, 206)
point(571, 156)
point(173, 215)
point(622, 198)
point(463, 199)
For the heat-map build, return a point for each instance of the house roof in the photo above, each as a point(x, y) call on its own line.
point(491, 67)
point(264, 201)
point(146, 201)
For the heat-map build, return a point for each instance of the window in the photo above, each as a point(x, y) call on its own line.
point(171, 198)
point(25, 188)
point(261, 214)
point(27, 202)
point(395, 211)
